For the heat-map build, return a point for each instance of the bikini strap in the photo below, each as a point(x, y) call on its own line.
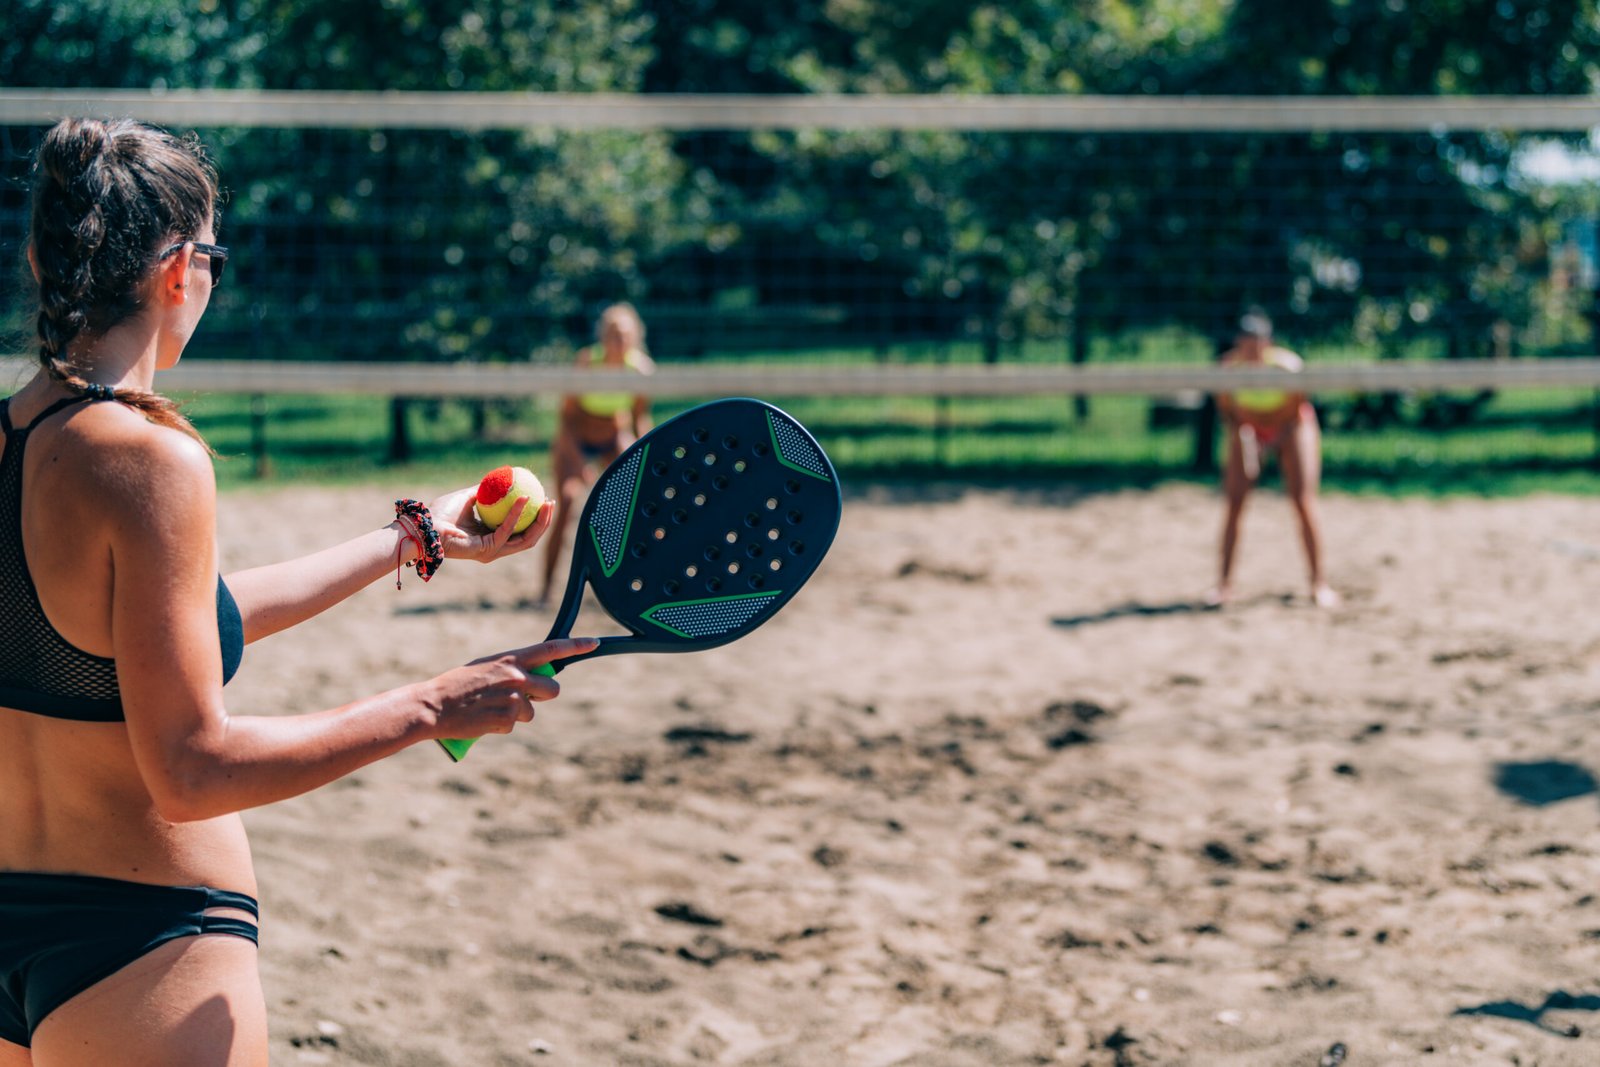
point(226, 898)
point(227, 924)
point(222, 924)
point(5, 416)
point(62, 405)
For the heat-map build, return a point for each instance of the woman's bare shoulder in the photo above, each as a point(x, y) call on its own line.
point(128, 461)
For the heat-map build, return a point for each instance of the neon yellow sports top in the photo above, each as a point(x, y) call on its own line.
point(609, 405)
point(1260, 399)
point(1264, 400)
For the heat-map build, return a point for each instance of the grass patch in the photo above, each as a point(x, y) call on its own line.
point(1521, 442)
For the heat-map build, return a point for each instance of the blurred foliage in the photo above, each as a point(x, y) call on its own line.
point(1375, 237)
point(538, 228)
point(923, 235)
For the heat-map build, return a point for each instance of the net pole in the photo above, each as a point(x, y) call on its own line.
point(399, 431)
point(258, 435)
point(941, 417)
point(1595, 421)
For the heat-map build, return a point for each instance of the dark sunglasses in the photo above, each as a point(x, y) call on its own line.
point(217, 255)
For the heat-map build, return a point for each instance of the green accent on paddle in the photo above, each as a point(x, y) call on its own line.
point(777, 450)
point(721, 620)
point(627, 526)
point(457, 747)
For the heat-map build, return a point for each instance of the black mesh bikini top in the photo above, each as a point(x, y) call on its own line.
point(41, 671)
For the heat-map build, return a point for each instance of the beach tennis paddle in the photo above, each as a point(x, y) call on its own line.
point(699, 532)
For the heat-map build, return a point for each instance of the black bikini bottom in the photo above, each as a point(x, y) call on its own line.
point(62, 933)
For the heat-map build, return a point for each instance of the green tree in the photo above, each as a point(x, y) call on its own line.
point(399, 242)
point(1375, 236)
point(404, 242)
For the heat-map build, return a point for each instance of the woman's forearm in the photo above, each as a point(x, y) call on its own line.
point(246, 761)
point(280, 595)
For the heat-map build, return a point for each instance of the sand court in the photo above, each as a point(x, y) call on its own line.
point(992, 790)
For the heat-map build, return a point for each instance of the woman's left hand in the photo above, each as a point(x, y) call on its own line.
point(462, 536)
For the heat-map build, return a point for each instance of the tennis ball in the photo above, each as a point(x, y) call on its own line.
point(500, 489)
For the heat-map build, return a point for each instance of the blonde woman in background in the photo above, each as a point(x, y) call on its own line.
point(596, 427)
point(1259, 422)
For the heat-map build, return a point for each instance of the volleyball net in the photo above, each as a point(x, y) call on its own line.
point(937, 264)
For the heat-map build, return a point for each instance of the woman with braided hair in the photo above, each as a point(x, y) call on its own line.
point(127, 910)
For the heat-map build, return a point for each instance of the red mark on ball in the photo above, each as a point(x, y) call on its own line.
point(495, 485)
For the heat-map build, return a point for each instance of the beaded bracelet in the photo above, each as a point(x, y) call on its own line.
point(417, 524)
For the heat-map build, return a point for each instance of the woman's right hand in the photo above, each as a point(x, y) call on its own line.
point(493, 694)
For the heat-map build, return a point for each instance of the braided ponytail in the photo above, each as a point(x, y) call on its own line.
point(106, 198)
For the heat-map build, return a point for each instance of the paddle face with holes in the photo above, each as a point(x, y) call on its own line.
point(701, 531)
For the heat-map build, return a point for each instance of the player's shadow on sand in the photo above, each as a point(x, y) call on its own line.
point(1560, 1000)
point(1544, 782)
point(1135, 609)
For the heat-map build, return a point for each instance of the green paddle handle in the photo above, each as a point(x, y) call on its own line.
point(457, 747)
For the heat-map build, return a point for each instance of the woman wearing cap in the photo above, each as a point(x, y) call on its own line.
point(1258, 422)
